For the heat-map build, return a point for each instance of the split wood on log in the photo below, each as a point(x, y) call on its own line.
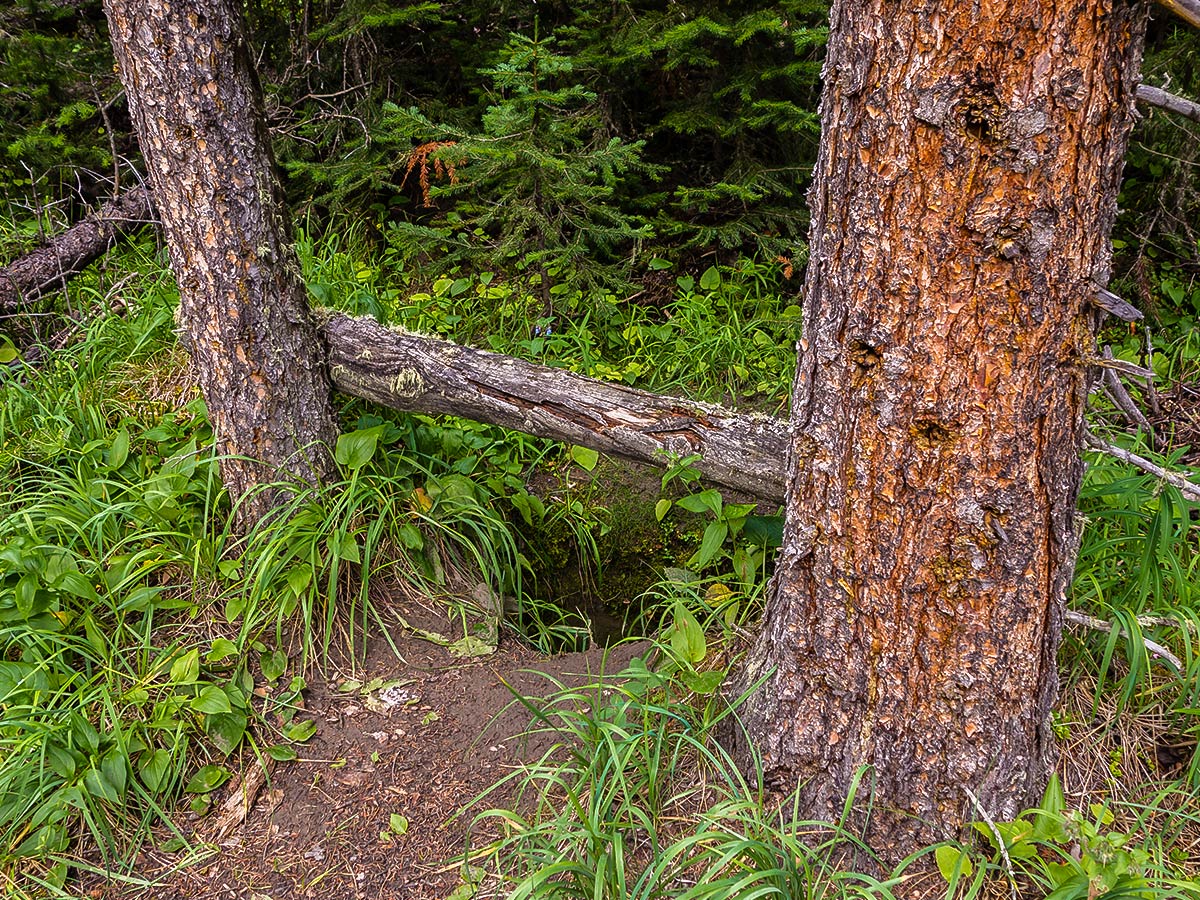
point(50, 266)
point(415, 373)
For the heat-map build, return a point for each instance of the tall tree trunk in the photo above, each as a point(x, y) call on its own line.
point(243, 310)
point(965, 190)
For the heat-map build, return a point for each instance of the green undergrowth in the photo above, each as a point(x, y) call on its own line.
point(726, 333)
point(146, 648)
point(637, 798)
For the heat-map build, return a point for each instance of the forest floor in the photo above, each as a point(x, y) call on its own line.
point(439, 733)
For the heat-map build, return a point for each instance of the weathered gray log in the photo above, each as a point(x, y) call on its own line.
point(415, 373)
point(1153, 96)
point(1188, 10)
point(50, 266)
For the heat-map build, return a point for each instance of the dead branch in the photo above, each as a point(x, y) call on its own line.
point(1188, 10)
point(49, 267)
point(1157, 97)
point(1189, 489)
point(1157, 649)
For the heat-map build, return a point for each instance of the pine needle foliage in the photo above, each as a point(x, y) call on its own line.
point(533, 187)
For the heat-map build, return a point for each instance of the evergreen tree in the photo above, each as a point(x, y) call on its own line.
point(535, 185)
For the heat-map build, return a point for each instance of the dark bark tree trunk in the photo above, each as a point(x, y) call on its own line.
point(243, 309)
point(413, 372)
point(964, 193)
point(49, 267)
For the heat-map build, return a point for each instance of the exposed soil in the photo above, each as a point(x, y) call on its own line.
point(439, 732)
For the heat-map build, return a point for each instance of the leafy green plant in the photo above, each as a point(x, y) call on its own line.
point(728, 522)
point(1067, 855)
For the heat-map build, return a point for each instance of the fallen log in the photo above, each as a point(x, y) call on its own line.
point(50, 266)
point(416, 373)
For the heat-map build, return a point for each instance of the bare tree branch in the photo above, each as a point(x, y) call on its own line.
point(1189, 489)
point(1182, 106)
point(49, 267)
point(1077, 618)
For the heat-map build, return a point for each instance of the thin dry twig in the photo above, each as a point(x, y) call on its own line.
point(1120, 397)
point(1157, 649)
point(1189, 489)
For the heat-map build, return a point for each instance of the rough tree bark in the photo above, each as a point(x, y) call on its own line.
point(198, 115)
point(964, 192)
point(49, 267)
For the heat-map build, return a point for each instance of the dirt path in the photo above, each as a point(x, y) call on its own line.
point(421, 738)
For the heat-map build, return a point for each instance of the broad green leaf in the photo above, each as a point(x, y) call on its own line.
point(154, 769)
point(280, 753)
point(411, 537)
point(119, 451)
point(207, 779)
point(687, 638)
point(661, 508)
point(45, 841)
point(72, 582)
point(1048, 818)
point(222, 648)
point(764, 531)
point(273, 664)
point(354, 450)
point(585, 457)
point(235, 606)
point(21, 676)
point(85, 734)
point(951, 860)
point(711, 279)
point(710, 544)
point(8, 353)
point(226, 730)
point(705, 501)
point(1102, 814)
point(300, 731)
point(347, 548)
point(115, 767)
point(211, 699)
point(470, 646)
point(398, 824)
point(186, 669)
point(62, 761)
point(520, 502)
point(98, 785)
point(704, 683)
point(299, 577)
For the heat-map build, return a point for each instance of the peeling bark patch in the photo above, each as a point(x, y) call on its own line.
point(865, 357)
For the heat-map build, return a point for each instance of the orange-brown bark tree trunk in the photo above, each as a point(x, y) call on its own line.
point(243, 308)
point(964, 194)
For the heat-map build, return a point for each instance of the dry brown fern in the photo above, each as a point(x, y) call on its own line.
point(418, 159)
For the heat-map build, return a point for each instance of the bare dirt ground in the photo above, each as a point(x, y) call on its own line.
point(439, 732)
